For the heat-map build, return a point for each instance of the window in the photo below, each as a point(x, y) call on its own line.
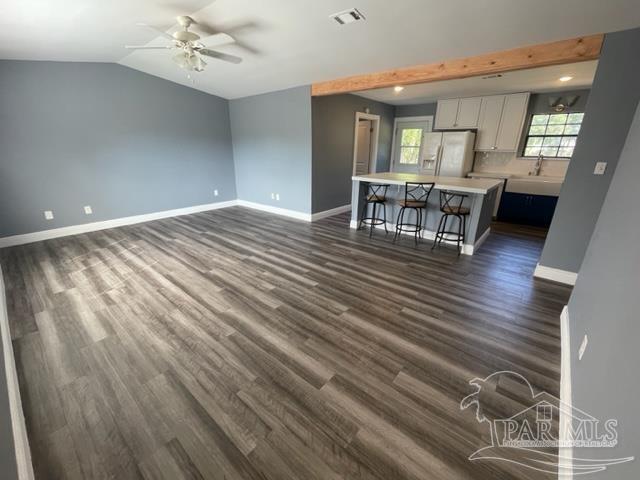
point(410, 141)
point(553, 135)
point(544, 413)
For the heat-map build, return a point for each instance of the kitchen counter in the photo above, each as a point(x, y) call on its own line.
point(456, 184)
point(480, 198)
point(501, 175)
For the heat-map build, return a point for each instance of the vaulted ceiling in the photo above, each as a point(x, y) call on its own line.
point(287, 43)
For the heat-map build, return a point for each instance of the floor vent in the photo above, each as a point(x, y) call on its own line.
point(348, 16)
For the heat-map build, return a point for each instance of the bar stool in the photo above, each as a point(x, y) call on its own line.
point(416, 196)
point(376, 195)
point(451, 206)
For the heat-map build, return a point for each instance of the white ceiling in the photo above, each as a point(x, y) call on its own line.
point(537, 80)
point(293, 42)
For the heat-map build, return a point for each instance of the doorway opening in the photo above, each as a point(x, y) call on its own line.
point(365, 143)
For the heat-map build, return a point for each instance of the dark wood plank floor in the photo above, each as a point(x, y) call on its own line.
point(239, 345)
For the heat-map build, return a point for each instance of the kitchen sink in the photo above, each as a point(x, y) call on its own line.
point(535, 185)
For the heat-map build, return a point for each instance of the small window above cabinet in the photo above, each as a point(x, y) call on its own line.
point(458, 113)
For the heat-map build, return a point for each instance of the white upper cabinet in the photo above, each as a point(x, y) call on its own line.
point(498, 118)
point(458, 113)
point(468, 112)
point(489, 122)
point(447, 113)
point(512, 121)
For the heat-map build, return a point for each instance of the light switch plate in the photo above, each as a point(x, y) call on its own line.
point(215, 193)
point(48, 214)
point(583, 347)
point(601, 167)
point(88, 210)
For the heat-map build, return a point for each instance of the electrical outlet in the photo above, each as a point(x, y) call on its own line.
point(278, 197)
point(273, 196)
point(215, 193)
point(88, 210)
point(583, 346)
point(48, 214)
point(601, 167)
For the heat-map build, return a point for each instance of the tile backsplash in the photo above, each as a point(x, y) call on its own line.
point(508, 162)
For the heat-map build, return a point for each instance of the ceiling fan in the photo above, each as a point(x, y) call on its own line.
point(191, 48)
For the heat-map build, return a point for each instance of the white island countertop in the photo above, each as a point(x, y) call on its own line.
point(458, 184)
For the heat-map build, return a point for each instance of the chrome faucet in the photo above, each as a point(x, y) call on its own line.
point(538, 166)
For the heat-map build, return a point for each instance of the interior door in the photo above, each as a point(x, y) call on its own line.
point(363, 153)
point(409, 142)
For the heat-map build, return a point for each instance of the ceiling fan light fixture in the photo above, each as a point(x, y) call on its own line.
point(190, 47)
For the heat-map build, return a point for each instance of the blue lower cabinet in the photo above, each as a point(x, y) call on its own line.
point(535, 210)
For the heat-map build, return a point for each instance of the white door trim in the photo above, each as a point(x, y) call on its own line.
point(375, 119)
point(423, 118)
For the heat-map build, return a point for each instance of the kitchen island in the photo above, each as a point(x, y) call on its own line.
point(481, 197)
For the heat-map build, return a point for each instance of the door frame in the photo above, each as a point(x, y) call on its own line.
point(373, 156)
point(420, 118)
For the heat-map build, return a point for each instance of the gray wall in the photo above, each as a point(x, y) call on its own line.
point(126, 143)
point(272, 148)
point(610, 109)
point(605, 305)
point(333, 131)
point(423, 109)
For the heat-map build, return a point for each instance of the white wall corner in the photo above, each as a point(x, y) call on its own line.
point(565, 454)
point(555, 275)
point(306, 217)
point(18, 425)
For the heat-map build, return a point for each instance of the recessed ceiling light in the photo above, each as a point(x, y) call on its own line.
point(398, 88)
point(566, 78)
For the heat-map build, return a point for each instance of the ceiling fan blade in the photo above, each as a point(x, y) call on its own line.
point(144, 47)
point(220, 56)
point(156, 29)
point(217, 40)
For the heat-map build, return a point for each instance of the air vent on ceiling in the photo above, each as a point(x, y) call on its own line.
point(348, 16)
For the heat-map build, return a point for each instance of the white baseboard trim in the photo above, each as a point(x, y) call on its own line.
point(329, 213)
point(482, 239)
point(119, 222)
point(565, 463)
point(103, 225)
point(467, 249)
point(18, 425)
point(555, 274)
point(276, 210)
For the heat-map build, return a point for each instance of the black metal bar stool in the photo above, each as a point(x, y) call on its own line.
point(416, 196)
point(376, 195)
point(451, 206)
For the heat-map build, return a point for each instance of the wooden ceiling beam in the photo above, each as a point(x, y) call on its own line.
point(555, 53)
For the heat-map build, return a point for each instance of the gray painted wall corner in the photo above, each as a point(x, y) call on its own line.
point(122, 141)
point(271, 136)
point(609, 112)
point(605, 305)
point(333, 136)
